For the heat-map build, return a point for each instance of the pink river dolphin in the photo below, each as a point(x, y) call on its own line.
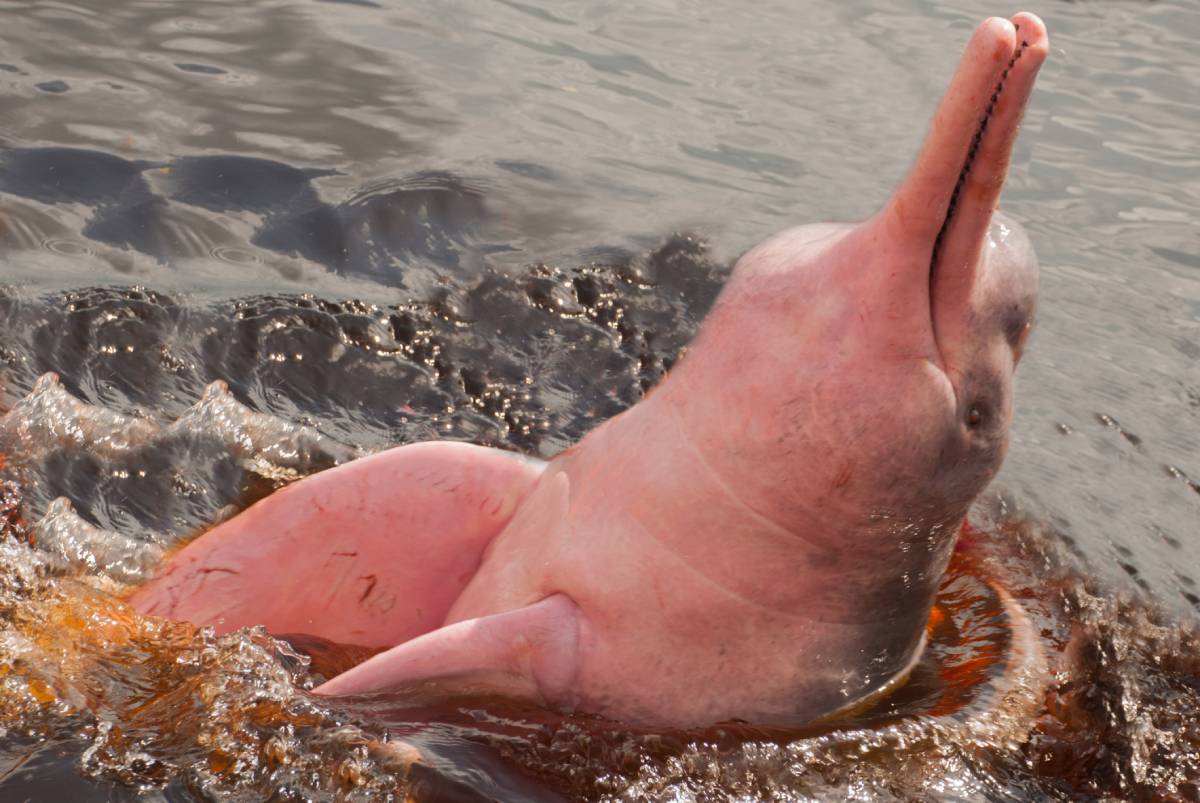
point(759, 538)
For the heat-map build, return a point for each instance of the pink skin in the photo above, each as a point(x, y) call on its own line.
point(761, 538)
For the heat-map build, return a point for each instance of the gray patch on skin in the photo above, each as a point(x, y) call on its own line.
point(1014, 319)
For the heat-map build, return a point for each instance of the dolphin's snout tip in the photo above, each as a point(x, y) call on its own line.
point(1029, 24)
point(1023, 31)
point(1032, 35)
point(997, 34)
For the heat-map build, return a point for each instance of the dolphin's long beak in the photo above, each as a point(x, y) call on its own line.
point(946, 202)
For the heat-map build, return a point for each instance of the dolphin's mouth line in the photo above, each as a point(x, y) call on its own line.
point(969, 162)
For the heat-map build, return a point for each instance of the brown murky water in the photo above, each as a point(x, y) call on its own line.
point(371, 225)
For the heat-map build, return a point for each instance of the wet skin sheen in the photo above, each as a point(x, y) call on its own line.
point(761, 538)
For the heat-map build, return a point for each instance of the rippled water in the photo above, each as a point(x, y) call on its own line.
point(376, 225)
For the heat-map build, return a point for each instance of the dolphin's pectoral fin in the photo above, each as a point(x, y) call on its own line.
point(528, 652)
point(370, 553)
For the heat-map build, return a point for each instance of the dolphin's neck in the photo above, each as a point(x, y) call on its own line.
point(831, 564)
point(846, 610)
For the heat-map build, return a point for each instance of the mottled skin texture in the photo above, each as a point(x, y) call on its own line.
point(760, 538)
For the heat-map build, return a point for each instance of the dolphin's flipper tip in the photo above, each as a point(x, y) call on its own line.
point(529, 652)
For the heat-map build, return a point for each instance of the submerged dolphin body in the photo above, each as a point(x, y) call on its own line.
point(760, 538)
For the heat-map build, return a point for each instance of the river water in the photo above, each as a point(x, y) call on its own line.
point(372, 223)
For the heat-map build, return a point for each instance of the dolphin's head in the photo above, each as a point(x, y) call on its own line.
point(878, 359)
point(982, 277)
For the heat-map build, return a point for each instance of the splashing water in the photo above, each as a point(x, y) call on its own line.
point(1036, 683)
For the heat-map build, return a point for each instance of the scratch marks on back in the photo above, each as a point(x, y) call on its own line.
point(371, 582)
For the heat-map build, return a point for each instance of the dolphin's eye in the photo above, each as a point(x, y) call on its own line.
point(974, 416)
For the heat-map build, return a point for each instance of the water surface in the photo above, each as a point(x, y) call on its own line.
point(499, 221)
